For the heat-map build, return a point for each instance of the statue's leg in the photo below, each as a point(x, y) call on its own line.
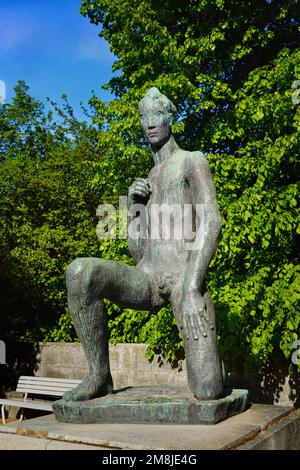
point(204, 371)
point(89, 280)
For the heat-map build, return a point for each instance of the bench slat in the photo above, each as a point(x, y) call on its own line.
point(47, 387)
point(43, 389)
point(38, 389)
point(49, 380)
point(27, 404)
point(55, 393)
point(44, 385)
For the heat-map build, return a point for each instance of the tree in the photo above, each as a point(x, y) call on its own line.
point(48, 212)
point(229, 67)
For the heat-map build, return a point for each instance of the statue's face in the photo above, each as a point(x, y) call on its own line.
point(156, 125)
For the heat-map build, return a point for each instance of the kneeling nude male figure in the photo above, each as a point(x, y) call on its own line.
point(167, 270)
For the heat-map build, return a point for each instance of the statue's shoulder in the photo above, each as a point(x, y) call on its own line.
point(194, 158)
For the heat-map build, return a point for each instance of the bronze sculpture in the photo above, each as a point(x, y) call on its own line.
point(169, 269)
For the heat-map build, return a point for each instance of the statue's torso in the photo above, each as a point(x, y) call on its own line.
point(167, 255)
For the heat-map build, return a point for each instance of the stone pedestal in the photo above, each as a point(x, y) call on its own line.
point(259, 427)
point(158, 404)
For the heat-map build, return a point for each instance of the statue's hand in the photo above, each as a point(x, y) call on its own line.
point(139, 190)
point(195, 319)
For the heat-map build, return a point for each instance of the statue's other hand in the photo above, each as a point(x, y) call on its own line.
point(195, 321)
point(140, 189)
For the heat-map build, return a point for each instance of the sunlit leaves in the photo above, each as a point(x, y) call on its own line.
point(229, 71)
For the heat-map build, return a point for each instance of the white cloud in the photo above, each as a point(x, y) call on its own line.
point(2, 91)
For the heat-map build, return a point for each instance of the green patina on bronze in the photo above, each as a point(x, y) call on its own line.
point(160, 404)
point(167, 271)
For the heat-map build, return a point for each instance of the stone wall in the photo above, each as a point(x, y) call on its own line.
point(130, 368)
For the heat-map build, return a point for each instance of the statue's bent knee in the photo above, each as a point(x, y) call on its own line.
point(81, 274)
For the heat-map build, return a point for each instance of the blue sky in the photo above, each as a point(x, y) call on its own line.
point(54, 49)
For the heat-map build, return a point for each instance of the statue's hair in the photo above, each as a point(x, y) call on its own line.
point(154, 96)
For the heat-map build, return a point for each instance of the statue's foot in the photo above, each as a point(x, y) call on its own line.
point(93, 386)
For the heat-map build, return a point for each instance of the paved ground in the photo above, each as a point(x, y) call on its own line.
point(257, 423)
point(15, 442)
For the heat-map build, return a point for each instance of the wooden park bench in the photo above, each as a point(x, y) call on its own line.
point(34, 386)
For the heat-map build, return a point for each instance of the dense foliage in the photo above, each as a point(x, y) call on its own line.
point(229, 67)
point(47, 216)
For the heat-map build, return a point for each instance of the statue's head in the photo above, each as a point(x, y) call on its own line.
point(157, 115)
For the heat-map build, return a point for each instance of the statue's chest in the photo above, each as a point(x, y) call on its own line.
point(167, 182)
